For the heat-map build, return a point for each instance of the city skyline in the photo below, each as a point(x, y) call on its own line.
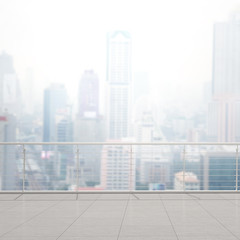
point(119, 85)
point(70, 54)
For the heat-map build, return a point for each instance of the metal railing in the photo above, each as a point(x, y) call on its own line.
point(119, 166)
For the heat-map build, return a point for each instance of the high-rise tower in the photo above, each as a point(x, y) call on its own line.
point(89, 126)
point(10, 97)
point(226, 59)
point(224, 109)
point(88, 97)
point(118, 84)
point(55, 102)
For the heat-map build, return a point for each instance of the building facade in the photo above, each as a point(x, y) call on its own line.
point(10, 95)
point(89, 126)
point(119, 80)
point(9, 173)
point(55, 102)
point(118, 167)
point(224, 109)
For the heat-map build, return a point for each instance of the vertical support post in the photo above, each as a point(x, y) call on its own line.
point(131, 174)
point(77, 157)
point(184, 167)
point(24, 168)
point(236, 169)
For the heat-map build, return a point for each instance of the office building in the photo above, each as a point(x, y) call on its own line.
point(57, 127)
point(224, 109)
point(55, 102)
point(118, 167)
point(89, 126)
point(118, 84)
point(219, 169)
point(88, 95)
point(186, 181)
point(10, 95)
point(9, 173)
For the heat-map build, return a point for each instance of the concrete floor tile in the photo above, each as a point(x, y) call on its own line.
point(88, 196)
point(207, 236)
point(92, 230)
point(213, 196)
point(8, 197)
point(88, 238)
point(176, 196)
point(46, 197)
point(36, 231)
point(148, 238)
point(28, 238)
point(148, 196)
point(117, 196)
point(94, 217)
point(147, 230)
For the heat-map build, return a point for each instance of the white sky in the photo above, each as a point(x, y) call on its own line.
point(59, 39)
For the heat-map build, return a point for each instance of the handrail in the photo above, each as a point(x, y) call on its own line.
point(121, 143)
point(131, 171)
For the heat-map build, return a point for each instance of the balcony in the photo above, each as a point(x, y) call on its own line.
point(163, 191)
point(134, 216)
point(118, 166)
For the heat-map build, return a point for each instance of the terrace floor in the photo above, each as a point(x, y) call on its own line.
point(164, 216)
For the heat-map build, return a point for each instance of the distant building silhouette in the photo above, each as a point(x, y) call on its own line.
point(88, 95)
point(55, 102)
point(10, 96)
point(118, 84)
point(8, 159)
point(89, 126)
point(224, 109)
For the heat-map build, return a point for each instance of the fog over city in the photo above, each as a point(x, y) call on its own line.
point(58, 40)
point(120, 119)
point(119, 95)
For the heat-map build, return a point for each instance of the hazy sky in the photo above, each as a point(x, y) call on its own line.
point(59, 39)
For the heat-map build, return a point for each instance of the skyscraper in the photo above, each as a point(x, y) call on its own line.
point(118, 84)
point(10, 97)
point(224, 109)
point(226, 59)
point(57, 127)
point(116, 168)
point(55, 102)
point(9, 176)
point(89, 126)
point(88, 95)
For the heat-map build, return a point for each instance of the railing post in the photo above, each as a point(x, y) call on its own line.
point(24, 168)
point(236, 169)
point(77, 157)
point(184, 166)
point(131, 175)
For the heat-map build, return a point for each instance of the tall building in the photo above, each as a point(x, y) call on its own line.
point(89, 126)
point(219, 169)
point(64, 128)
point(224, 109)
point(152, 162)
point(118, 167)
point(9, 175)
point(10, 97)
point(55, 102)
point(57, 127)
point(88, 95)
point(118, 84)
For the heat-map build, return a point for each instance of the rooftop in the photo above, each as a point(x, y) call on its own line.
point(123, 216)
